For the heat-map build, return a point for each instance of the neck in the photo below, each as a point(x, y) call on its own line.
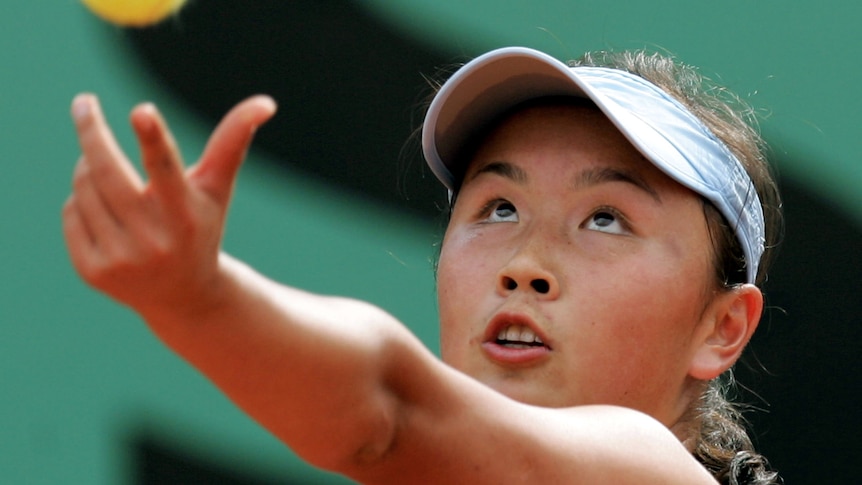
point(687, 425)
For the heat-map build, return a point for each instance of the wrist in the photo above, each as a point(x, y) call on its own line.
point(198, 301)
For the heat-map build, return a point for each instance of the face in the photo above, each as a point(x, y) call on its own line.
point(573, 271)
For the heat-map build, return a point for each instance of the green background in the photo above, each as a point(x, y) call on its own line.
point(80, 376)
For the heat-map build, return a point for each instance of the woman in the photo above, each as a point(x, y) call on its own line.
point(596, 276)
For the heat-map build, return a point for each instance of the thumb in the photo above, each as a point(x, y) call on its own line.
point(227, 147)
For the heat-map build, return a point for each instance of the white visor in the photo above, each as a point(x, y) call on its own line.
point(661, 128)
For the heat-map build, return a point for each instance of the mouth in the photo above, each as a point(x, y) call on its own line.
point(515, 336)
point(514, 339)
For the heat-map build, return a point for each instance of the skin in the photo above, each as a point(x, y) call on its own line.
point(350, 389)
point(627, 282)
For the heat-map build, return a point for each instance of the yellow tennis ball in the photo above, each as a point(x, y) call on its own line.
point(134, 13)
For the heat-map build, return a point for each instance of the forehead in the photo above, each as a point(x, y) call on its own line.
point(570, 131)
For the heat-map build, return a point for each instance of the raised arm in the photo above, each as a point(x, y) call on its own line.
point(307, 367)
point(339, 381)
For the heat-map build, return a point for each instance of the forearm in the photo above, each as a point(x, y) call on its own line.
point(307, 367)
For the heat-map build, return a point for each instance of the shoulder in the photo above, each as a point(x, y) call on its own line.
point(612, 444)
point(457, 430)
point(631, 446)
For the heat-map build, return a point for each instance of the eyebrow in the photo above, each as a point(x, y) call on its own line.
point(587, 178)
point(505, 170)
point(596, 176)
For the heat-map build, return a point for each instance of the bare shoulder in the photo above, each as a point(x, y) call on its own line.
point(460, 431)
point(632, 447)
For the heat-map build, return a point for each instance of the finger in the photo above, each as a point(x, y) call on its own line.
point(95, 215)
point(79, 241)
point(74, 225)
point(227, 147)
point(113, 175)
point(161, 157)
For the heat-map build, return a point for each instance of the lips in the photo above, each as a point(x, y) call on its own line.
point(514, 339)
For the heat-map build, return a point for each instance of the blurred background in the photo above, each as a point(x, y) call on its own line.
point(335, 198)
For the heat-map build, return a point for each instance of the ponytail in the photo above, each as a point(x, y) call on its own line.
point(723, 446)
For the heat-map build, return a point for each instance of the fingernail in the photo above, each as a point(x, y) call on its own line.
point(80, 108)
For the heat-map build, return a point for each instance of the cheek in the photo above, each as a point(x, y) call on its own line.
point(654, 310)
point(447, 278)
point(454, 284)
point(461, 269)
point(466, 276)
point(634, 358)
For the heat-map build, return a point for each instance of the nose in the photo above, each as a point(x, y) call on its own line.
point(527, 271)
point(539, 285)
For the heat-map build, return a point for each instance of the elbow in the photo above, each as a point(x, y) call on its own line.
point(363, 433)
point(357, 447)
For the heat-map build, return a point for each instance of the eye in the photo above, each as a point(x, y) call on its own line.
point(501, 211)
point(606, 220)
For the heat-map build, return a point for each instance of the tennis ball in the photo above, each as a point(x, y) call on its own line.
point(134, 13)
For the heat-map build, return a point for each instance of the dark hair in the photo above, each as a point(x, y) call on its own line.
point(722, 444)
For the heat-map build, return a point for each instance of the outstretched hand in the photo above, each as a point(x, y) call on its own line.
point(154, 245)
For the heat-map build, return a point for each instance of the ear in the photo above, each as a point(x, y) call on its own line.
point(728, 324)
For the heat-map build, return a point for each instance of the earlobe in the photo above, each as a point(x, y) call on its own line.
point(728, 325)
